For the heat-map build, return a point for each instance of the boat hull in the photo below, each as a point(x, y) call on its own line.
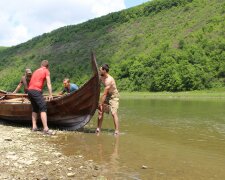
point(71, 111)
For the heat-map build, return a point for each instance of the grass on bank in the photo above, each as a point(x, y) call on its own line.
point(212, 93)
point(3, 48)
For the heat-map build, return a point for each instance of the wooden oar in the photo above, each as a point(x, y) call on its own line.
point(17, 100)
point(2, 97)
point(15, 96)
point(4, 92)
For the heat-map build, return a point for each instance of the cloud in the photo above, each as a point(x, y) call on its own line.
point(22, 20)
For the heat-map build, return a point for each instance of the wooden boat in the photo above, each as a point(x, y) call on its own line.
point(71, 111)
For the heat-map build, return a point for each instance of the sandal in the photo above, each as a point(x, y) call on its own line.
point(48, 132)
point(34, 129)
point(116, 133)
point(97, 130)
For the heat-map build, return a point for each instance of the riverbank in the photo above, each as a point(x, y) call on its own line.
point(30, 155)
point(213, 93)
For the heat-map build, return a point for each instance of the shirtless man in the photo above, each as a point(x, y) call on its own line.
point(110, 97)
point(25, 80)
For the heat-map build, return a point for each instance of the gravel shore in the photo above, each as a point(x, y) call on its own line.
point(29, 155)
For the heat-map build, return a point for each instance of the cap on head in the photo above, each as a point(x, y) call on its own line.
point(28, 71)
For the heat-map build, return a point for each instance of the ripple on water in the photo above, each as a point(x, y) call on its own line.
point(219, 128)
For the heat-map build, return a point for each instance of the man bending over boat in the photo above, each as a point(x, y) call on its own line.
point(37, 99)
point(25, 80)
point(109, 97)
point(68, 87)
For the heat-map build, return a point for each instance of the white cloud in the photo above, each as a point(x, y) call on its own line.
point(21, 20)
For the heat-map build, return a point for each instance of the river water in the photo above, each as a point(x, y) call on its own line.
point(172, 138)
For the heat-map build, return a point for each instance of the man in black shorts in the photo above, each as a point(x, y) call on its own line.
point(36, 97)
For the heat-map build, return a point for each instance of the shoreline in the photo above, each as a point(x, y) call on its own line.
point(206, 94)
point(30, 155)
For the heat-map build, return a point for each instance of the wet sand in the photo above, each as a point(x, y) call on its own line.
point(30, 155)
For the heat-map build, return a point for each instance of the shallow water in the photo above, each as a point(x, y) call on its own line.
point(174, 138)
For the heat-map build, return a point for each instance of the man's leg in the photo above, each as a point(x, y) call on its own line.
point(116, 122)
point(44, 120)
point(100, 119)
point(114, 105)
point(34, 110)
point(43, 112)
point(34, 120)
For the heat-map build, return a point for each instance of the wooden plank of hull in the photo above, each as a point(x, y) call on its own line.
point(72, 111)
point(2, 92)
point(69, 123)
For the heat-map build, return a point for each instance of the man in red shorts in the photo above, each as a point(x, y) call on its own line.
point(37, 99)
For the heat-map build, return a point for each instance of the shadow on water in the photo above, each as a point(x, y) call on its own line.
point(92, 130)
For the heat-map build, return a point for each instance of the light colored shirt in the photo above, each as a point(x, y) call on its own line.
point(73, 87)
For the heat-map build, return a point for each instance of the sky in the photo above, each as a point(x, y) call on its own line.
point(21, 20)
point(131, 3)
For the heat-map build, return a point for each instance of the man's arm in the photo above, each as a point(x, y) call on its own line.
point(62, 92)
point(106, 91)
point(49, 85)
point(18, 87)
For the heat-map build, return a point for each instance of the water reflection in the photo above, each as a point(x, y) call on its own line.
point(112, 164)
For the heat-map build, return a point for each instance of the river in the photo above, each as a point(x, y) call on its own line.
point(164, 138)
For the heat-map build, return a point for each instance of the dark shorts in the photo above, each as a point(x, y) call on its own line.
point(37, 100)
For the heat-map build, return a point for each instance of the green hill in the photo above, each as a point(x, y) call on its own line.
point(2, 48)
point(162, 45)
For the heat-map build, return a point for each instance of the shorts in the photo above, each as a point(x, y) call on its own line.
point(113, 101)
point(37, 101)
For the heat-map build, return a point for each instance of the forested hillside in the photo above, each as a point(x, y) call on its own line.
point(162, 45)
point(2, 48)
